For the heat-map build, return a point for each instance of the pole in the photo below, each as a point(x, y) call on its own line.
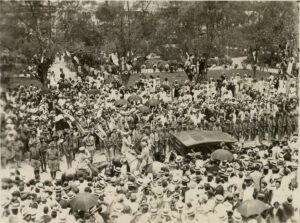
point(298, 142)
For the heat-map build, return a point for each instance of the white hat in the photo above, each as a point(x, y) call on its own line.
point(82, 148)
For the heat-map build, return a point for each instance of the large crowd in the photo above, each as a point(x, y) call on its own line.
point(76, 119)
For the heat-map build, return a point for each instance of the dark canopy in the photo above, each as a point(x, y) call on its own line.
point(198, 137)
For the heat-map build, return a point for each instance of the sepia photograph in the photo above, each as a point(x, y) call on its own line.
point(149, 111)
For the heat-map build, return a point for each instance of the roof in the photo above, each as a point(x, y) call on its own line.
point(197, 137)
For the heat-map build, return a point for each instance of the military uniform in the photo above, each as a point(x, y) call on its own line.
point(74, 144)
point(261, 126)
point(279, 126)
point(145, 158)
point(67, 151)
point(253, 129)
point(90, 145)
point(19, 146)
point(43, 152)
point(53, 159)
point(289, 125)
point(238, 129)
point(34, 158)
point(271, 128)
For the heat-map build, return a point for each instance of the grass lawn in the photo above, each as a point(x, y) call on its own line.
point(180, 76)
point(26, 81)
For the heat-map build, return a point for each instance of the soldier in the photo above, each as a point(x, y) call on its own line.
point(284, 123)
point(53, 159)
point(238, 128)
point(271, 126)
point(253, 132)
point(42, 146)
point(145, 156)
point(67, 150)
point(34, 158)
point(89, 141)
point(73, 142)
point(114, 138)
point(211, 124)
point(279, 126)
point(261, 126)
point(163, 140)
point(245, 126)
point(289, 124)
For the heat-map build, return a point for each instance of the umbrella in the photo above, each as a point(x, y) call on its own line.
point(121, 102)
point(165, 87)
point(84, 201)
point(252, 207)
point(94, 91)
point(134, 98)
point(152, 102)
point(222, 154)
point(144, 109)
point(46, 91)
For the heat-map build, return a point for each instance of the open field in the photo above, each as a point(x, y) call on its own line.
point(180, 76)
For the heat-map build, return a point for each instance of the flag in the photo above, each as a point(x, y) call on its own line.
point(114, 58)
point(76, 59)
point(60, 121)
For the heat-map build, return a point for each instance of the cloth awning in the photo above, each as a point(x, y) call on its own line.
point(198, 137)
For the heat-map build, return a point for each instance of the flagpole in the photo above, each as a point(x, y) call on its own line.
point(298, 141)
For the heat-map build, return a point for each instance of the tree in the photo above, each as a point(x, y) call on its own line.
point(27, 31)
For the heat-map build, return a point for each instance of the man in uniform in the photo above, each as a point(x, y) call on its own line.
point(115, 144)
point(67, 150)
point(238, 128)
point(34, 158)
point(89, 141)
point(246, 128)
point(271, 128)
point(280, 126)
point(253, 132)
point(42, 146)
point(289, 124)
point(19, 146)
point(145, 156)
point(53, 159)
point(73, 142)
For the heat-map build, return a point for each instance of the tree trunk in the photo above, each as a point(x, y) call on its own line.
point(42, 72)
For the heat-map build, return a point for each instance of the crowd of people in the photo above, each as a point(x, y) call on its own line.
point(72, 121)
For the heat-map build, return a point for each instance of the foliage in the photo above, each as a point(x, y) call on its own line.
point(37, 30)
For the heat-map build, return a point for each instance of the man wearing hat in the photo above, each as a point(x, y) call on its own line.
point(53, 159)
point(34, 158)
point(67, 151)
point(43, 151)
point(145, 156)
point(89, 141)
point(73, 142)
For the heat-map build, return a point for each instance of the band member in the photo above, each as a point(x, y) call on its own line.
point(89, 141)
point(145, 156)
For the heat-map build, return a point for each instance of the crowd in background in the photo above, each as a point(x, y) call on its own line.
point(100, 114)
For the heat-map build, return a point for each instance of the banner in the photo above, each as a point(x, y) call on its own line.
point(114, 58)
point(60, 122)
point(70, 117)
